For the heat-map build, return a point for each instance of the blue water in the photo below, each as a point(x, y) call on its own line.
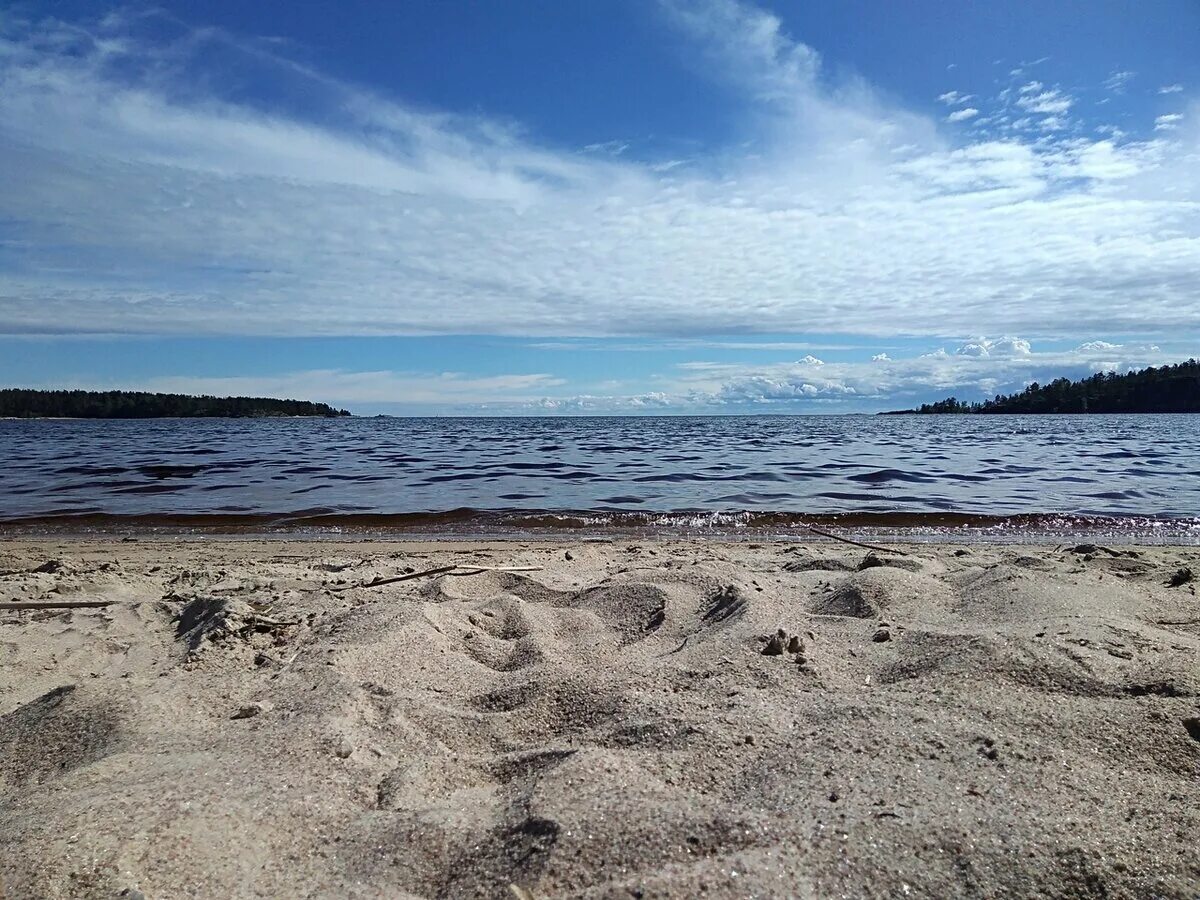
point(603, 471)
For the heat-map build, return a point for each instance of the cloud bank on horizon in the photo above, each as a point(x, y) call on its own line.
point(140, 196)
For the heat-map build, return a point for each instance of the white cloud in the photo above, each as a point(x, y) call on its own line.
point(1007, 346)
point(1118, 81)
point(977, 369)
point(613, 148)
point(668, 165)
point(1051, 102)
point(1170, 89)
point(954, 98)
point(750, 45)
point(1168, 122)
point(961, 115)
point(141, 197)
point(343, 388)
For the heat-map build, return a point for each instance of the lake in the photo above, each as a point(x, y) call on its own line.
point(1130, 474)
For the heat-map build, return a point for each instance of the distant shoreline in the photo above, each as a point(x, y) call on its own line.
point(143, 418)
point(30, 403)
point(1151, 391)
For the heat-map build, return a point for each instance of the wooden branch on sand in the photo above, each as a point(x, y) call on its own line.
point(440, 570)
point(478, 570)
point(846, 540)
point(56, 604)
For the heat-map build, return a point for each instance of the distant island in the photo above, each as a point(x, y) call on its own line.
point(29, 404)
point(1168, 389)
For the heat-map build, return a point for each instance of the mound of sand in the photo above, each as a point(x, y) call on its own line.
point(623, 722)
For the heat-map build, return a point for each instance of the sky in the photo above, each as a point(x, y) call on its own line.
point(443, 207)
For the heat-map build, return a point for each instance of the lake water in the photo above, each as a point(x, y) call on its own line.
point(772, 473)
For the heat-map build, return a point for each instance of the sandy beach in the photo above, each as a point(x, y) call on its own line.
point(625, 718)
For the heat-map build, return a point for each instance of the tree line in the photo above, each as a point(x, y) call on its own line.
point(1166, 389)
point(32, 404)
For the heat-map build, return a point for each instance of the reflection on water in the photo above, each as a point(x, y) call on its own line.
point(605, 470)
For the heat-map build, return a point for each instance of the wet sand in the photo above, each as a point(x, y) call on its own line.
point(246, 720)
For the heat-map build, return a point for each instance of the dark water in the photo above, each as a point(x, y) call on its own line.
point(1125, 473)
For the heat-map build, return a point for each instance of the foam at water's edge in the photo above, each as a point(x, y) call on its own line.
point(930, 527)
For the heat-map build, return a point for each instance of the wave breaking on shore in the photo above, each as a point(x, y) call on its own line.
point(515, 523)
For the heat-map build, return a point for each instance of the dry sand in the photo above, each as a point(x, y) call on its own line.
point(958, 722)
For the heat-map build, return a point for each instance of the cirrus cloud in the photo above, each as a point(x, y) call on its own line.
point(139, 197)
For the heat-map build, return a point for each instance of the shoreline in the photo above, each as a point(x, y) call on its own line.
point(606, 524)
point(1165, 539)
point(597, 718)
point(450, 540)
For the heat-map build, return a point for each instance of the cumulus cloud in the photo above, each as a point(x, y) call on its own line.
point(972, 369)
point(977, 369)
point(141, 194)
point(1006, 346)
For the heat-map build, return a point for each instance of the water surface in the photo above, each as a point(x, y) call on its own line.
point(691, 472)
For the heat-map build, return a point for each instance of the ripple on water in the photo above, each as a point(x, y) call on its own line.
point(721, 466)
point(881, 476)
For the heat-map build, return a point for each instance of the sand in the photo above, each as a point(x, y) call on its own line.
point(972, 722)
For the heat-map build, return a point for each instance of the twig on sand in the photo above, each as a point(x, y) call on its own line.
point(284, 666)
point(440, 570)
point(682, 644)
point(846, 540)
point(380, 582)
point(478, 570)
point(56, 604)
point(408, 576)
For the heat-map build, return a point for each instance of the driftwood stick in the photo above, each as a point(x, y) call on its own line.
point(380, 582)
point(56, 604)
point(682, 644)
point(846, 540)
point(479, 570)
point(440, 570)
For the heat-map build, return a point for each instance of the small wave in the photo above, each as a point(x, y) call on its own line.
point(884, 475)
point(92, 470)
point(161, 471)
point(148, 489)
point(944, 526)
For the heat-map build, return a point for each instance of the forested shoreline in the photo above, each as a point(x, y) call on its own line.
point(1166, 389)
point(38, 404)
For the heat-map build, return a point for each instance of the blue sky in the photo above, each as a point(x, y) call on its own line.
point(446, 207)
